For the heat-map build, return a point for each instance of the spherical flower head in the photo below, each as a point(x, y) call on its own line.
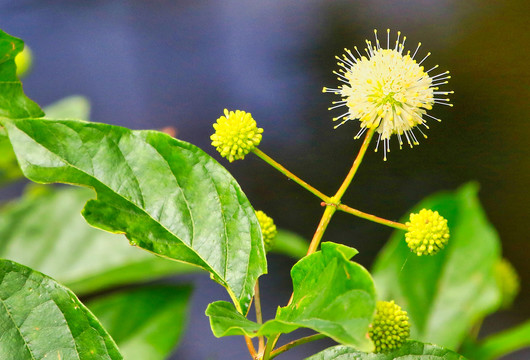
point(236, 134)
point(388, 90)
point(268, 229)
point(24, 61)
point(427, 232)
point(508, 282)
point(390, 327)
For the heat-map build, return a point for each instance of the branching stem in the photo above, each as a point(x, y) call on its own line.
point(290, 175)
point(294, 343)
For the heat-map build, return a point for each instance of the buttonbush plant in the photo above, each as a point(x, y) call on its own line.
point(431, 286)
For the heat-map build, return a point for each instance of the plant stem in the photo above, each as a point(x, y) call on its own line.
point(251, 348)
point(371, 217)
point(331, 206)
point(324, 221)
point(355, 165)
point(271, 342)
point(259, 316)
point(294, 343)
point(290, 175)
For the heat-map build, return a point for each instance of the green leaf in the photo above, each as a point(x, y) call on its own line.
point(41, 319)
point(225, 320)
point(290, 243)
point(76, 107)
point(332, 296)
point(70, 107)
point(165, 195)
point(503, 343)
point(13, 103)
point(43, 230)
point(411, 350)
point(9, 169)
point(146, 323)
point(447, 293)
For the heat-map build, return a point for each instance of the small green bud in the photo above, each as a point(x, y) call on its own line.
point(24, 61)
point(427, 232)
point(268, 229)
point(508, 282)
point(390, 327)
point(236, 134)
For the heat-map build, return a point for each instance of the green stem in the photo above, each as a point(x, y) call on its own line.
point(294, 343)
point(290, 175)
point(324, 222)
point(259, 316)
point(271, 342)
point(355, 165)
point(371, 217)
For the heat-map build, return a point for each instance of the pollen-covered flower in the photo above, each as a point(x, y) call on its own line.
point(236, 134)
point(427, 232)
point(388, 90)
point(508, 282)
point(268, 229)
point(390, 327)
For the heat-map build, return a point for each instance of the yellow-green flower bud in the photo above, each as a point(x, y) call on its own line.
point(24, 60)
point(390, 327)
point(236, 134)
point(268, 229)
point(427, 232)
point(508, 282)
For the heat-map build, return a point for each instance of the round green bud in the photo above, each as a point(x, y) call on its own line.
point(390, 327)
point(268, 229)
point(236, 134)
point(427, 232)
point(508, 282)
point(24, 61)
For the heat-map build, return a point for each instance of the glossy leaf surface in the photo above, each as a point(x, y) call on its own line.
point(411, 350)
point(167, 196)
point(146, 322)
point(41, 319)
point(13, 103)
point(447, 293)
point(45, 231)
point(332, 295)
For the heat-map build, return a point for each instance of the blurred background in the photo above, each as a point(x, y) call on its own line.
point(159, 63)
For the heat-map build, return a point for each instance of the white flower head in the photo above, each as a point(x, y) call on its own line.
point(388, 90)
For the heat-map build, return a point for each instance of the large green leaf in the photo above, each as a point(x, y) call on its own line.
point(447, 293)
point(72, 107)
point(497, 345)
point(147, 322)
point(13, 103)
point(332, 295)
point(40, 319)
point(44, 230)
point(411, 350)
point(165, 195)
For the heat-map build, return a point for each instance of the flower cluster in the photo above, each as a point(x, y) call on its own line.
point(387, 90)
point(390, 327)
point(427, 232)
point(268, 229)
point(236, 134)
